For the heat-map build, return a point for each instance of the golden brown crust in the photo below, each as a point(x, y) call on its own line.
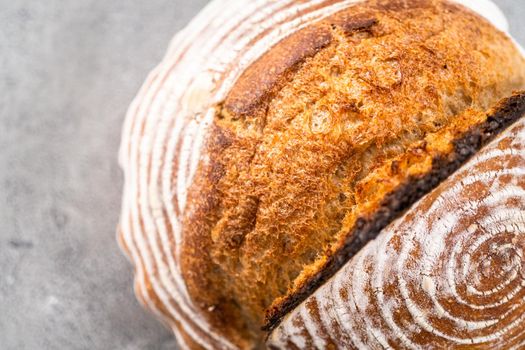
point(298, 150)
point(449, 274)
point(399, 196)
point(262, 80)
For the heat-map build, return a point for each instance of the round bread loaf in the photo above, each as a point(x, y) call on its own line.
point(277, 138)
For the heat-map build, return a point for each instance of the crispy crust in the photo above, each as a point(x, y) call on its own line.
point(366, 229)
point(456, 257)
point(238, 228)
point(261, 81)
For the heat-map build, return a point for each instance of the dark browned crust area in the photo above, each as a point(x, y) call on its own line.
point(366, 229)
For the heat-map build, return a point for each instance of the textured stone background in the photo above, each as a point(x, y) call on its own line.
point(68, 70)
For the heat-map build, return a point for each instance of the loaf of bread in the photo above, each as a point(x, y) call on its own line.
point(277, 138)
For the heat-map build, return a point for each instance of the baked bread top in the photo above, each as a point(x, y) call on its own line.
point(311, 134)
point(447, 275)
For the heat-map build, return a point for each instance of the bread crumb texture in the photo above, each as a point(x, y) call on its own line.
point(317, 132)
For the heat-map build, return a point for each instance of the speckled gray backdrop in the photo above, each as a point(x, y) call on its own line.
point(68, 70)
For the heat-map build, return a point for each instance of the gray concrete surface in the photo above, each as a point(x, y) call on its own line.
point(68, 70)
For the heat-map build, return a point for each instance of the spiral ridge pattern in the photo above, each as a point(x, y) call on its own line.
point(449, 274)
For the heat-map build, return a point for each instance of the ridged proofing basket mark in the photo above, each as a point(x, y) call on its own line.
point(449, 274)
